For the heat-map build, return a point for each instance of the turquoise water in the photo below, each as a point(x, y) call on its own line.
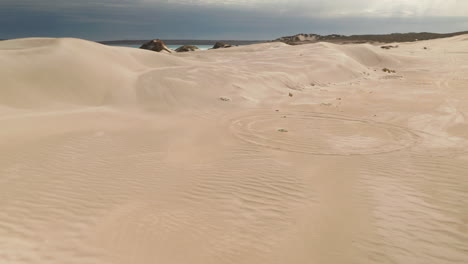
point(202, 47)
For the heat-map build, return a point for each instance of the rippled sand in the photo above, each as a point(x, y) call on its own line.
point(122, 156)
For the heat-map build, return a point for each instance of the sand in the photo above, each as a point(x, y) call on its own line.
point(258, 154)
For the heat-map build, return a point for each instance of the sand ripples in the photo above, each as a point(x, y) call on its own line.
point(418, 203)
point(320, 133)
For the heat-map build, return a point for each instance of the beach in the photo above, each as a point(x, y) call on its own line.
point(266, 153)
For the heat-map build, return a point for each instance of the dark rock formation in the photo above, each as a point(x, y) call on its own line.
point(155, 45)
point(219, 45)
point(186, 48)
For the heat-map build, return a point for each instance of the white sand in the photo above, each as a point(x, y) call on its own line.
point(118, 155)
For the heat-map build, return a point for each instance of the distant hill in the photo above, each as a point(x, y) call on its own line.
point(384, 38)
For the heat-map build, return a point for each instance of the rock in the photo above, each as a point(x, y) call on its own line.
point(225, 99)
point(290, 95)
point(186, 48)
point(220, 45)
point(155, 45)
point(299, 38)
point(389, 47)
point(282, 130)
point(388, 70)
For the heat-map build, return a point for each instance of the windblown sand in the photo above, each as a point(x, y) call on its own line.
point(259, 154)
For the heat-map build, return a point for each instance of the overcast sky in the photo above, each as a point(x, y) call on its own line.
point(229, 19)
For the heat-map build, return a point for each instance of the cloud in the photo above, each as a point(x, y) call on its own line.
point(326, 8)
point(321, 8)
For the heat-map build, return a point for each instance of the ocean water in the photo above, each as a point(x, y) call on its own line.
point(202, 47)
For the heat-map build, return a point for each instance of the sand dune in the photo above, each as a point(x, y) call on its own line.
point(313, 155)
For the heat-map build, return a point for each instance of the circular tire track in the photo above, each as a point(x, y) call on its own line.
point(320, 133)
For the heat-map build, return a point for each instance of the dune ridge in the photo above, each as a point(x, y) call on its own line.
point(267, 153)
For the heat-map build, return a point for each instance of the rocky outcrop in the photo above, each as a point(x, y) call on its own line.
point(155, 45)
point(186, 48)
point(299, 38)
point(220, 45)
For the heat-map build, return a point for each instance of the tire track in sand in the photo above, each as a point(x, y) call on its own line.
point(320, 133)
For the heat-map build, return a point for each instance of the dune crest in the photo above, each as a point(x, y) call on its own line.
point(74, 71)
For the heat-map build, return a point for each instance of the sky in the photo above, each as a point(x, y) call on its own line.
point(228, 20)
